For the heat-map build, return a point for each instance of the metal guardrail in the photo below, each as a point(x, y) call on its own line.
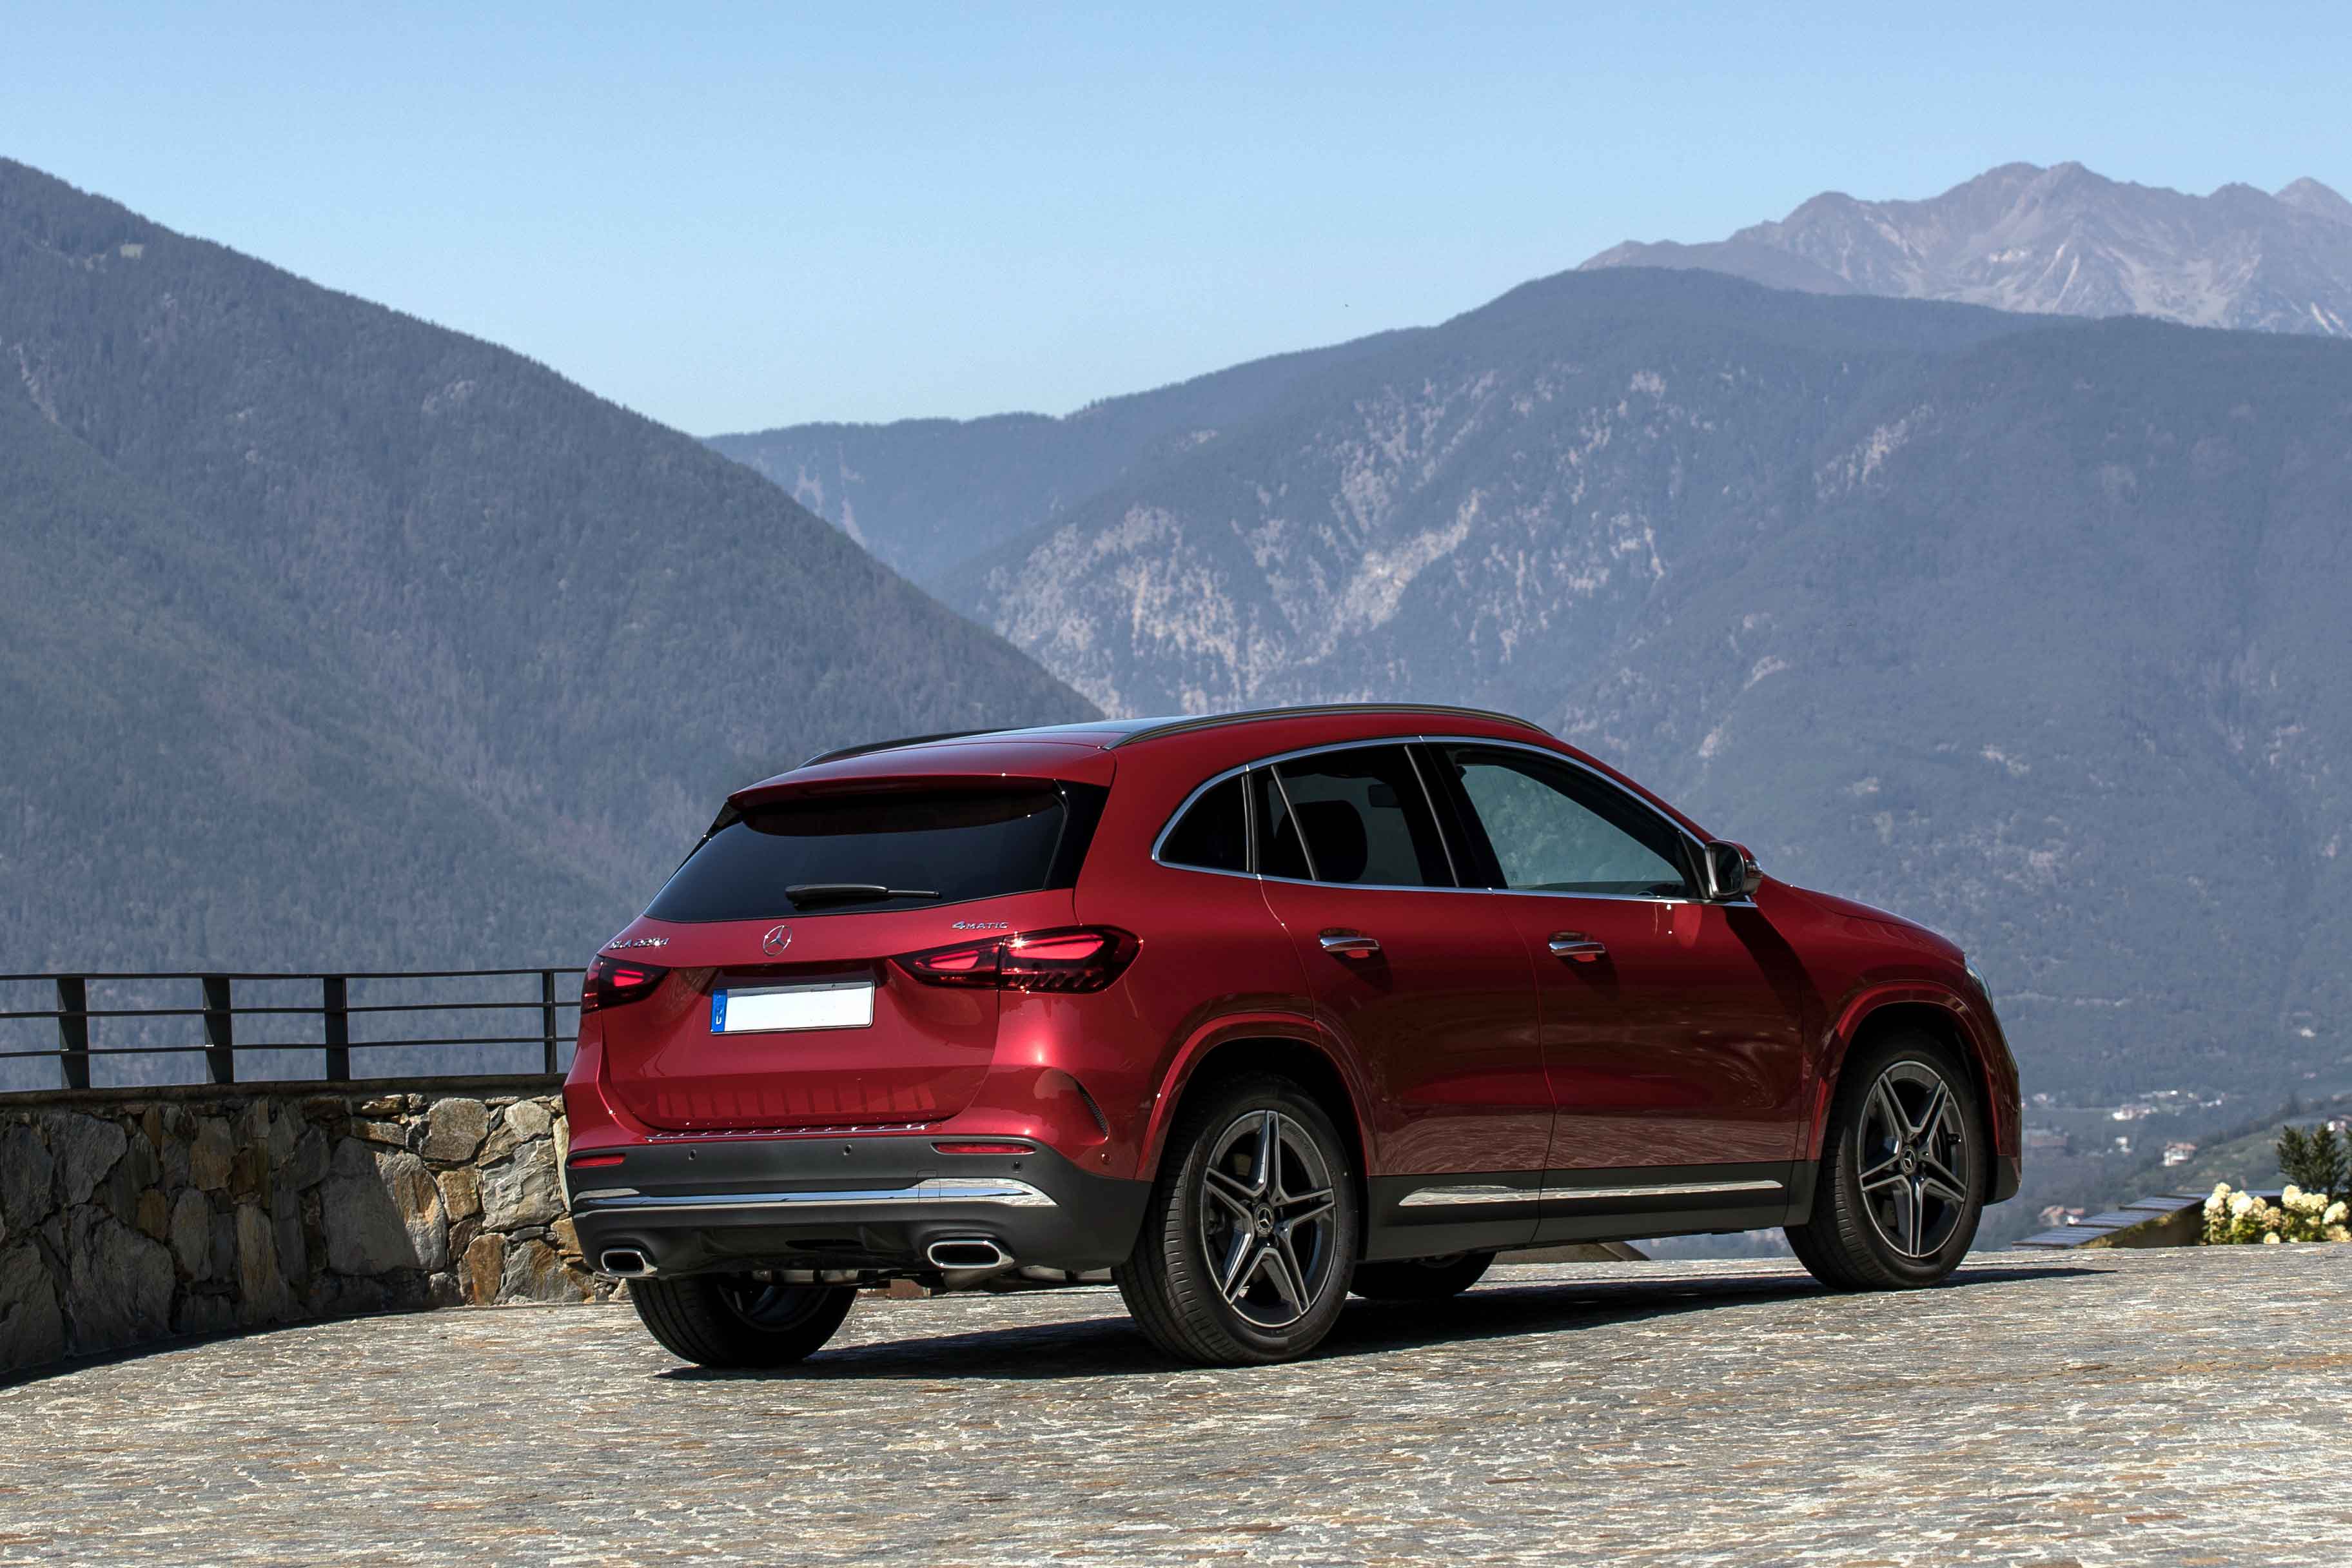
point(220, 1010)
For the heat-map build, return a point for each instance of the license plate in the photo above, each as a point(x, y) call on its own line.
point(840, 1004)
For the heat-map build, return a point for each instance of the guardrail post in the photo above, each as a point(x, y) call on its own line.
point(335, 1008)
point(547, 1013)
point(220, 1030)
point(73, 1030)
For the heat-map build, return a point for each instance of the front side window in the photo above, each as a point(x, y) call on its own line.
point(1356, 816)
point(1555, 830)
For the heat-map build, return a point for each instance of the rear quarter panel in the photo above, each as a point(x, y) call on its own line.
point(1214, 964)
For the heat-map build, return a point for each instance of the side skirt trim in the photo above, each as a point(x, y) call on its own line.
point(1452, 1197)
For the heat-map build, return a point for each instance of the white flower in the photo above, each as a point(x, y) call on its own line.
point(2270, 1239)
point(2291, 1195)
point(2241, 1204)
point(2337, 1211)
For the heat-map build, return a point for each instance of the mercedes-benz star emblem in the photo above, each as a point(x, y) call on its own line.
point(776, 940)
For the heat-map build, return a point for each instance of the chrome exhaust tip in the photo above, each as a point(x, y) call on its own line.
point(966, 1252)
point(625, 1263)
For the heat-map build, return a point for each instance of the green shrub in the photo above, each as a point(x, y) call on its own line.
point(2316, 1159)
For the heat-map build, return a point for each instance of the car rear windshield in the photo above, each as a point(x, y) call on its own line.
point(935, 847)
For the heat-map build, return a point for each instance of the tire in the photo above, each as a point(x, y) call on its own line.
point(1903, 1176)
point(1249, 1241)
point(1421, 1279)
point(733, 1321)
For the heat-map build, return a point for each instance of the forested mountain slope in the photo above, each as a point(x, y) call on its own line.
point(327, 637)
point(928, 496)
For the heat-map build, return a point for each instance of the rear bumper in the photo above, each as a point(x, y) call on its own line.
point(868, 1202)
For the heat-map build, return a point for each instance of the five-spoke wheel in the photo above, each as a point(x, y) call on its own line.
point(1250, 1240)
point(1266, 1202)
point(1903, 1171)
point(1914, 1146)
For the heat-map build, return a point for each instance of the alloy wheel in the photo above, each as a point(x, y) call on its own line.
point(1911, 1157)
point(1266, 1210)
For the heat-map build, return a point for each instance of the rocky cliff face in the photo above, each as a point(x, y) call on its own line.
point(928, 496)
point(2064, 241)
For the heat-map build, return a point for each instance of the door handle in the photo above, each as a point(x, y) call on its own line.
point(1350, 943)
point(1576, 947)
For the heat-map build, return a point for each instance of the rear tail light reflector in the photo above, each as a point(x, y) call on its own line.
point(983, 1148)
point(612, 982)
point(1071, 959)
point(597, 1160)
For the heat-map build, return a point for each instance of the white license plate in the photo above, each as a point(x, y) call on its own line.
point(840, 1004)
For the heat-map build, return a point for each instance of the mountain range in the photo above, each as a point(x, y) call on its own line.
point(2022, 625)
point(2061, 241)
point(332, 633)
point(331, 637)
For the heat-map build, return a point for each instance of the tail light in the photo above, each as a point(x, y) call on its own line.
point(1077, 958)
point(612, 982)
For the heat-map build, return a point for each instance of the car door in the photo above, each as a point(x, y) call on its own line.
point(1673, 1042)
point(1430, 985)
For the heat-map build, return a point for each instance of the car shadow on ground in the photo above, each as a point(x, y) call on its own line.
point(1110, 1346)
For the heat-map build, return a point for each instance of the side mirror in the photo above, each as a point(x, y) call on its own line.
point(1729, 870)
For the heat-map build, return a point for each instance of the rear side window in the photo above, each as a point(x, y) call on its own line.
point(1363, 818)
point(933, 846)
point(1279, 852)
point(1214, 834)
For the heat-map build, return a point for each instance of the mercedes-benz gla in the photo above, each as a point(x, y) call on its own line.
point(1251, 1012)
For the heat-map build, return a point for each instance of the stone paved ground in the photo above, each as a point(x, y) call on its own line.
point(2190, 1406)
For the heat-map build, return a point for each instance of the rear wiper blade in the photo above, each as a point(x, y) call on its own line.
point(850, 892)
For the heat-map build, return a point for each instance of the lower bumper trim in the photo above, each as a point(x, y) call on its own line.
point(999, 1192)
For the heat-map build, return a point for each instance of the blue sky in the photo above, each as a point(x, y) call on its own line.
point(736, 216)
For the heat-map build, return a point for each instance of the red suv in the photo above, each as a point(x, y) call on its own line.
point(1251, 1012)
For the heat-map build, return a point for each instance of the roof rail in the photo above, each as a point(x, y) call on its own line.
point(1212, 721)
point(889, 745)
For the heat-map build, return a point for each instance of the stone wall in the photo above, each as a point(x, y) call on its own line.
point(131, 1216)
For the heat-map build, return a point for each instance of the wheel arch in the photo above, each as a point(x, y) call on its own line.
point(1933, 1010)
point(1304, 1057)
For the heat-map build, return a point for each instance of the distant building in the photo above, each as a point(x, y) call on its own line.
point(2059, 1213)
point(2048, 1140)
point(2180, 1154)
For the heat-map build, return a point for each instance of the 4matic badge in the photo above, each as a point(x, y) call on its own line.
point(616, 944)
point(980, 925)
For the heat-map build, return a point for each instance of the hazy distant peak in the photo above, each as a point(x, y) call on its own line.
point(2308, 194)
point(2062, 240)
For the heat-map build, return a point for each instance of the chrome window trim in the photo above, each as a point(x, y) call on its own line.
point(1689, 838)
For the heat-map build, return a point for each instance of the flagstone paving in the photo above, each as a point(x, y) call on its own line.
point(2187, 1407)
